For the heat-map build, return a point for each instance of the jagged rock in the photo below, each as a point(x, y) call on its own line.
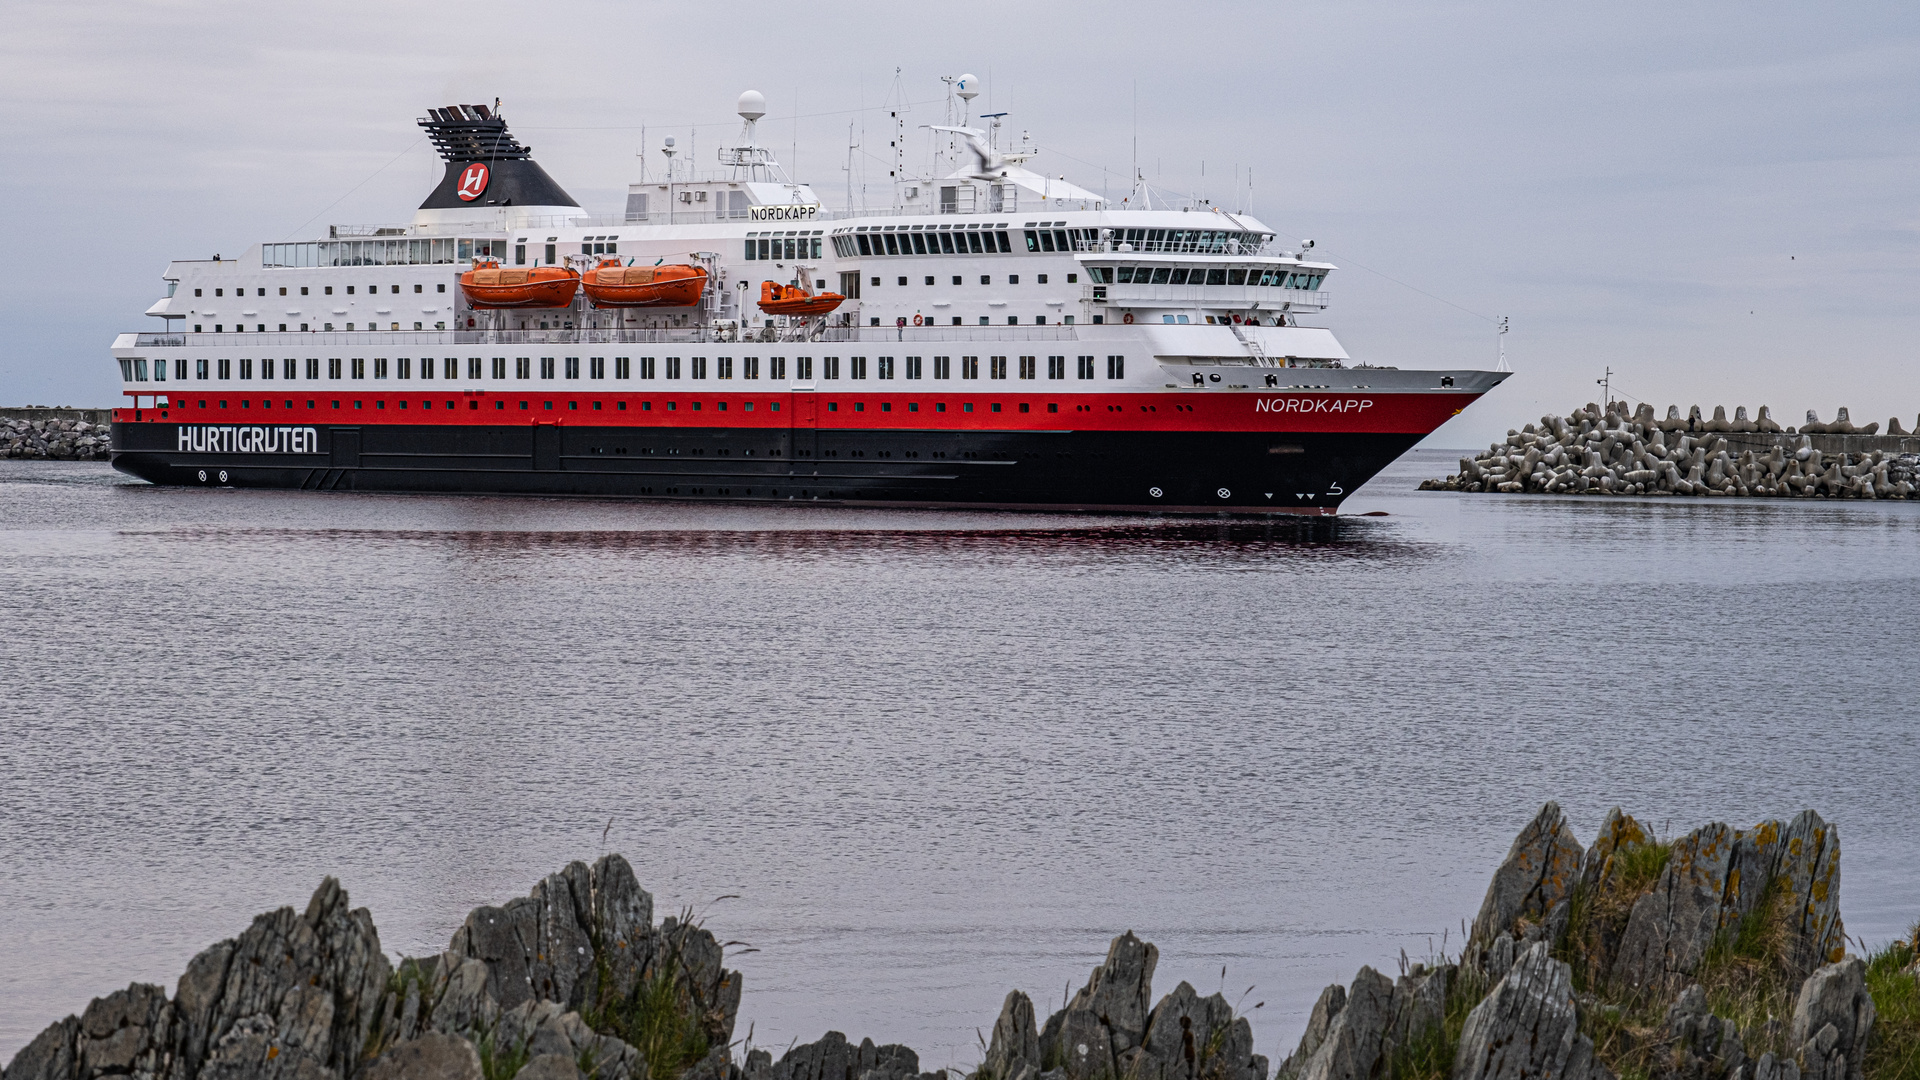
point(833, 1058)
point(1189, 1037)
point(296, 994)
point(50, 1056)
point(540, 946)
point(1527, 1027)
point(717, 1065)
point(543, 1028)
point(1108, 1015)
point(1419, 1005)
point(1832, 1020)
point(1672, 925)
point(1328, 1007)
point(1347, 1033)
point(433, 1056)
point(1704, 1046)
point(1531, 888)
point(1016, 1040)
point(131, 1031)
point(1771, 1068)
point(460, 1001)
point(1718, 876)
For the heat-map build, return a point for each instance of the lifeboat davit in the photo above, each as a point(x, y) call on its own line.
point(490, 285)
point(796, 300)
point(613, 285)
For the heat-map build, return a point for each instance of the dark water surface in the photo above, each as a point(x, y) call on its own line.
point(936, 755)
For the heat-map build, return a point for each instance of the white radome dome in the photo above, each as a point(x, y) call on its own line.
point(752, 106)
point(967, 86)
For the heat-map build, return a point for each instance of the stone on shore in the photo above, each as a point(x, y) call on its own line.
point(1527, 1028)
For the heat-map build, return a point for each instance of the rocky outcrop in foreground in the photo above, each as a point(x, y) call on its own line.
point(55, 439)
point(1664, 960)
point(1609, 452)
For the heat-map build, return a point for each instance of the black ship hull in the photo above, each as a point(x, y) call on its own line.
point(1180, 471)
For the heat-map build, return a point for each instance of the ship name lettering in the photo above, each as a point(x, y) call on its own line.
point(789, 212)
point(1312, 404)
point(247, 439)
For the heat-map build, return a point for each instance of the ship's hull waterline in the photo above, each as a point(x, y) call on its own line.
point(1183, 471)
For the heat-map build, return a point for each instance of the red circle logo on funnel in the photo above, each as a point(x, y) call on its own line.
point(473, 181)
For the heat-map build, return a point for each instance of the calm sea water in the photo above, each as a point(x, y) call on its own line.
point(932, 756)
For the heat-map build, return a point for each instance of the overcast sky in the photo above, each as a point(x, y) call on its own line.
point(1717, 200)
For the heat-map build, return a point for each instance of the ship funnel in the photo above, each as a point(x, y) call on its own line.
point(487, 169)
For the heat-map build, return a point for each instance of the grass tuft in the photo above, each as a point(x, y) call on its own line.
point(1893, 1050)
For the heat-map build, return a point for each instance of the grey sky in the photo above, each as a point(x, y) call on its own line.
point(1716, 199)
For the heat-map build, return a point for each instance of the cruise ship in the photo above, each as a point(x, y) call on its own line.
point(994, 337)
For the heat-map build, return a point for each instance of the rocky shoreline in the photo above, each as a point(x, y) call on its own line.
point(1720, 955)
point(1610, 451)
point(56, 434)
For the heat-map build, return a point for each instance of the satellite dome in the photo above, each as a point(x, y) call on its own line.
point(752, 106)
point(967, 86)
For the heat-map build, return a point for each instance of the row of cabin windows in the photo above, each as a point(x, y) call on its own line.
point(884, 367)
point(930, 240)
point(1268, 277)
point(782, 248)
point(985, 279)
point(241, 328)
point(371, 290)
point(1040, 238)
point(427, 404)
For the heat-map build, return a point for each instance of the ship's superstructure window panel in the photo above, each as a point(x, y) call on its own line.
point(1056, 367)
point(723, 367)
point(313, 367)
point(857, 367)
point(883, 367)
point(699, 367)
point(500, 368)
point(750, 367)
point(829, 367)
point(1116, 367)
point(622, 367)
point(596, 367)
point(1027, 367)
point(802, 368)
point(359, 367)
point(573, 367)
point(379, 367)
point(673, 367)
point(647, 368)
point(913, 367)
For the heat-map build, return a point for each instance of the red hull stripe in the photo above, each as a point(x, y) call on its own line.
point(1279, 411)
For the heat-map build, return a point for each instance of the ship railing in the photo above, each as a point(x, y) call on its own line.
point(1269, 297)
point(336, 341)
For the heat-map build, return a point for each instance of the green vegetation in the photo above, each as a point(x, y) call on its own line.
point(660, 1018)
point(1893, 1053)
point(1430, 1057)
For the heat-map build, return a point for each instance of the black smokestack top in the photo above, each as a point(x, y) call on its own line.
point(469, 135)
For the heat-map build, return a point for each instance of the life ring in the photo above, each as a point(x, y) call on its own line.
point(916, 319)
point(1127, 318)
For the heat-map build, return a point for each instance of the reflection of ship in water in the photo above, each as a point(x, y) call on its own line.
point(995, 337)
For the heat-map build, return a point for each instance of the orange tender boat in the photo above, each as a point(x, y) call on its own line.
point(613, 285)
point(796, 300)
point(490, 285)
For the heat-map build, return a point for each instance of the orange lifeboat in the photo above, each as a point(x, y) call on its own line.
point(613, 285)
point(796, 300)
point(490, 285)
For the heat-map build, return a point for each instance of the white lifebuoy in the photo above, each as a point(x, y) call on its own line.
point(916, 319)
point(1127, 318)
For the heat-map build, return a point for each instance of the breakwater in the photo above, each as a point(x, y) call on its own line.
point(1636, 956)
point(60, 434)
point(1611, 451)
